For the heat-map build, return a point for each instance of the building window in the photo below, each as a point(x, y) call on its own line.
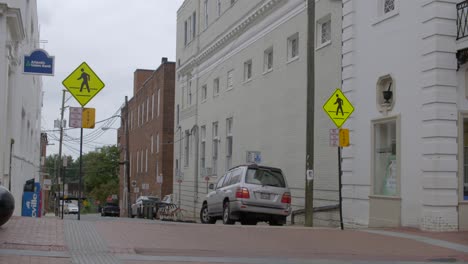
point(228, 143)
point(142, 160)
point(389, 6)
point(157, 169)
point(203, 92)
point(138, 161)
point(385, 157)
point(189, 22)
point(202, 146)
point(152, 106)
point(205, 4)
point(219, 8)
point(293, 46)
point(183, 97)
point(464, 187)
point(157, 143)
point(194, 25)
point(186, 148)
point(152, 143)
point(324, 31)
point(189, 97)
point(215, 148)
point(268, 60)
point(229, 79)
point(247, 70)
point(185, 33)
point(215, 87)
point(138, 116)
point(178, 112)
point(147, 109)
point(146, 161)
point(159, 100)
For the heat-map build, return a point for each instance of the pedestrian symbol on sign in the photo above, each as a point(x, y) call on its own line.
point(85, 77)
point(339, 101)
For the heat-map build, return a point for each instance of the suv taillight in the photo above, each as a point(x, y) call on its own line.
point(242, 193)
point(286, 198)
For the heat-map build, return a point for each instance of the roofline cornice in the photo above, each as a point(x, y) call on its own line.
point(236, 30)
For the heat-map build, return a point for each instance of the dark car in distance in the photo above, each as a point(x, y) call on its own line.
point(110, 209)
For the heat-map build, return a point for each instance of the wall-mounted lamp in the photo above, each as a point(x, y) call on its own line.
point(387, 95)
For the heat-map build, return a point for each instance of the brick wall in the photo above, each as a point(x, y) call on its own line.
point(146, 125)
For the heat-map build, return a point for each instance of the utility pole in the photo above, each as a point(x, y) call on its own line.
point(127, 154)
point(309, 195)
point(59, 169)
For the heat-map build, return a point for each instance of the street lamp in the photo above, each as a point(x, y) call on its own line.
point(107, 128)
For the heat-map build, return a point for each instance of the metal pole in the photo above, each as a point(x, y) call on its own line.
point(340, 173)
point(63, 189)
point(127, 153)
point(59, 169)
point(12, 142)
point(80, 176)
point(309, 192)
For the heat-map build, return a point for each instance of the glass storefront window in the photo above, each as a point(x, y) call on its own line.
point(385, 158)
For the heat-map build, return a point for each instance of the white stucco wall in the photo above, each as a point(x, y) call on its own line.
point(414, 47)
point(20, 97)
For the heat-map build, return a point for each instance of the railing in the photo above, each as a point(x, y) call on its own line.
point(462, 19)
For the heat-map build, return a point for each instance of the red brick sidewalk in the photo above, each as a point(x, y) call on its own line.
point(39, 234)
point(460, 237)
point(261, 241)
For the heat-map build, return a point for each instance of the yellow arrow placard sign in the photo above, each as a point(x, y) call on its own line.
point(83, 84)
point(338, 108)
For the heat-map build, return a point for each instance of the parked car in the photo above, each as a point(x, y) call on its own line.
point(110, 209)
point(137, 207)
point(249, 194)
point(71, 208)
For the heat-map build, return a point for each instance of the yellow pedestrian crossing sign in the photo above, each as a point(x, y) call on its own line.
point(83, 84)
point(338, 108)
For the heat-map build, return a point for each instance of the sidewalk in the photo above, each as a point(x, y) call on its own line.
point(28, 240)
point(122, 240)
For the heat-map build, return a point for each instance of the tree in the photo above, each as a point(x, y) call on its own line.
point(101, 172)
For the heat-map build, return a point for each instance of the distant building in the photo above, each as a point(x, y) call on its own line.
point(150, 123)
point(20, 98)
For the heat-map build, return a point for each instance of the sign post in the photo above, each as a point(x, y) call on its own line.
point(83, 83)
point(338, 108)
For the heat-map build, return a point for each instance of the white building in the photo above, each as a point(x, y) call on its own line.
point(406, 165)
point(241, 94)
point(20, 97)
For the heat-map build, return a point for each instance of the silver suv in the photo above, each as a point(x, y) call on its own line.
point(249, 194)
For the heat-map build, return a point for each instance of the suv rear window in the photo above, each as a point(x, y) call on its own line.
point(265, 177)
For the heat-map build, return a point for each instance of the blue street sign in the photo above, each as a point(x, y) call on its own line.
point(39, 62)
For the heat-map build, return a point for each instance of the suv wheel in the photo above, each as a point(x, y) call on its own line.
point(227, 214)
point(204, 217)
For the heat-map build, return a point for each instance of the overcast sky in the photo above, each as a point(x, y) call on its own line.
point(115, 37)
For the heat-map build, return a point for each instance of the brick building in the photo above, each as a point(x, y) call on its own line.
point(151, 130)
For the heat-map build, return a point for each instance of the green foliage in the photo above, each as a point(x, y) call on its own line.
point(100, 172)
point(101, 175)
